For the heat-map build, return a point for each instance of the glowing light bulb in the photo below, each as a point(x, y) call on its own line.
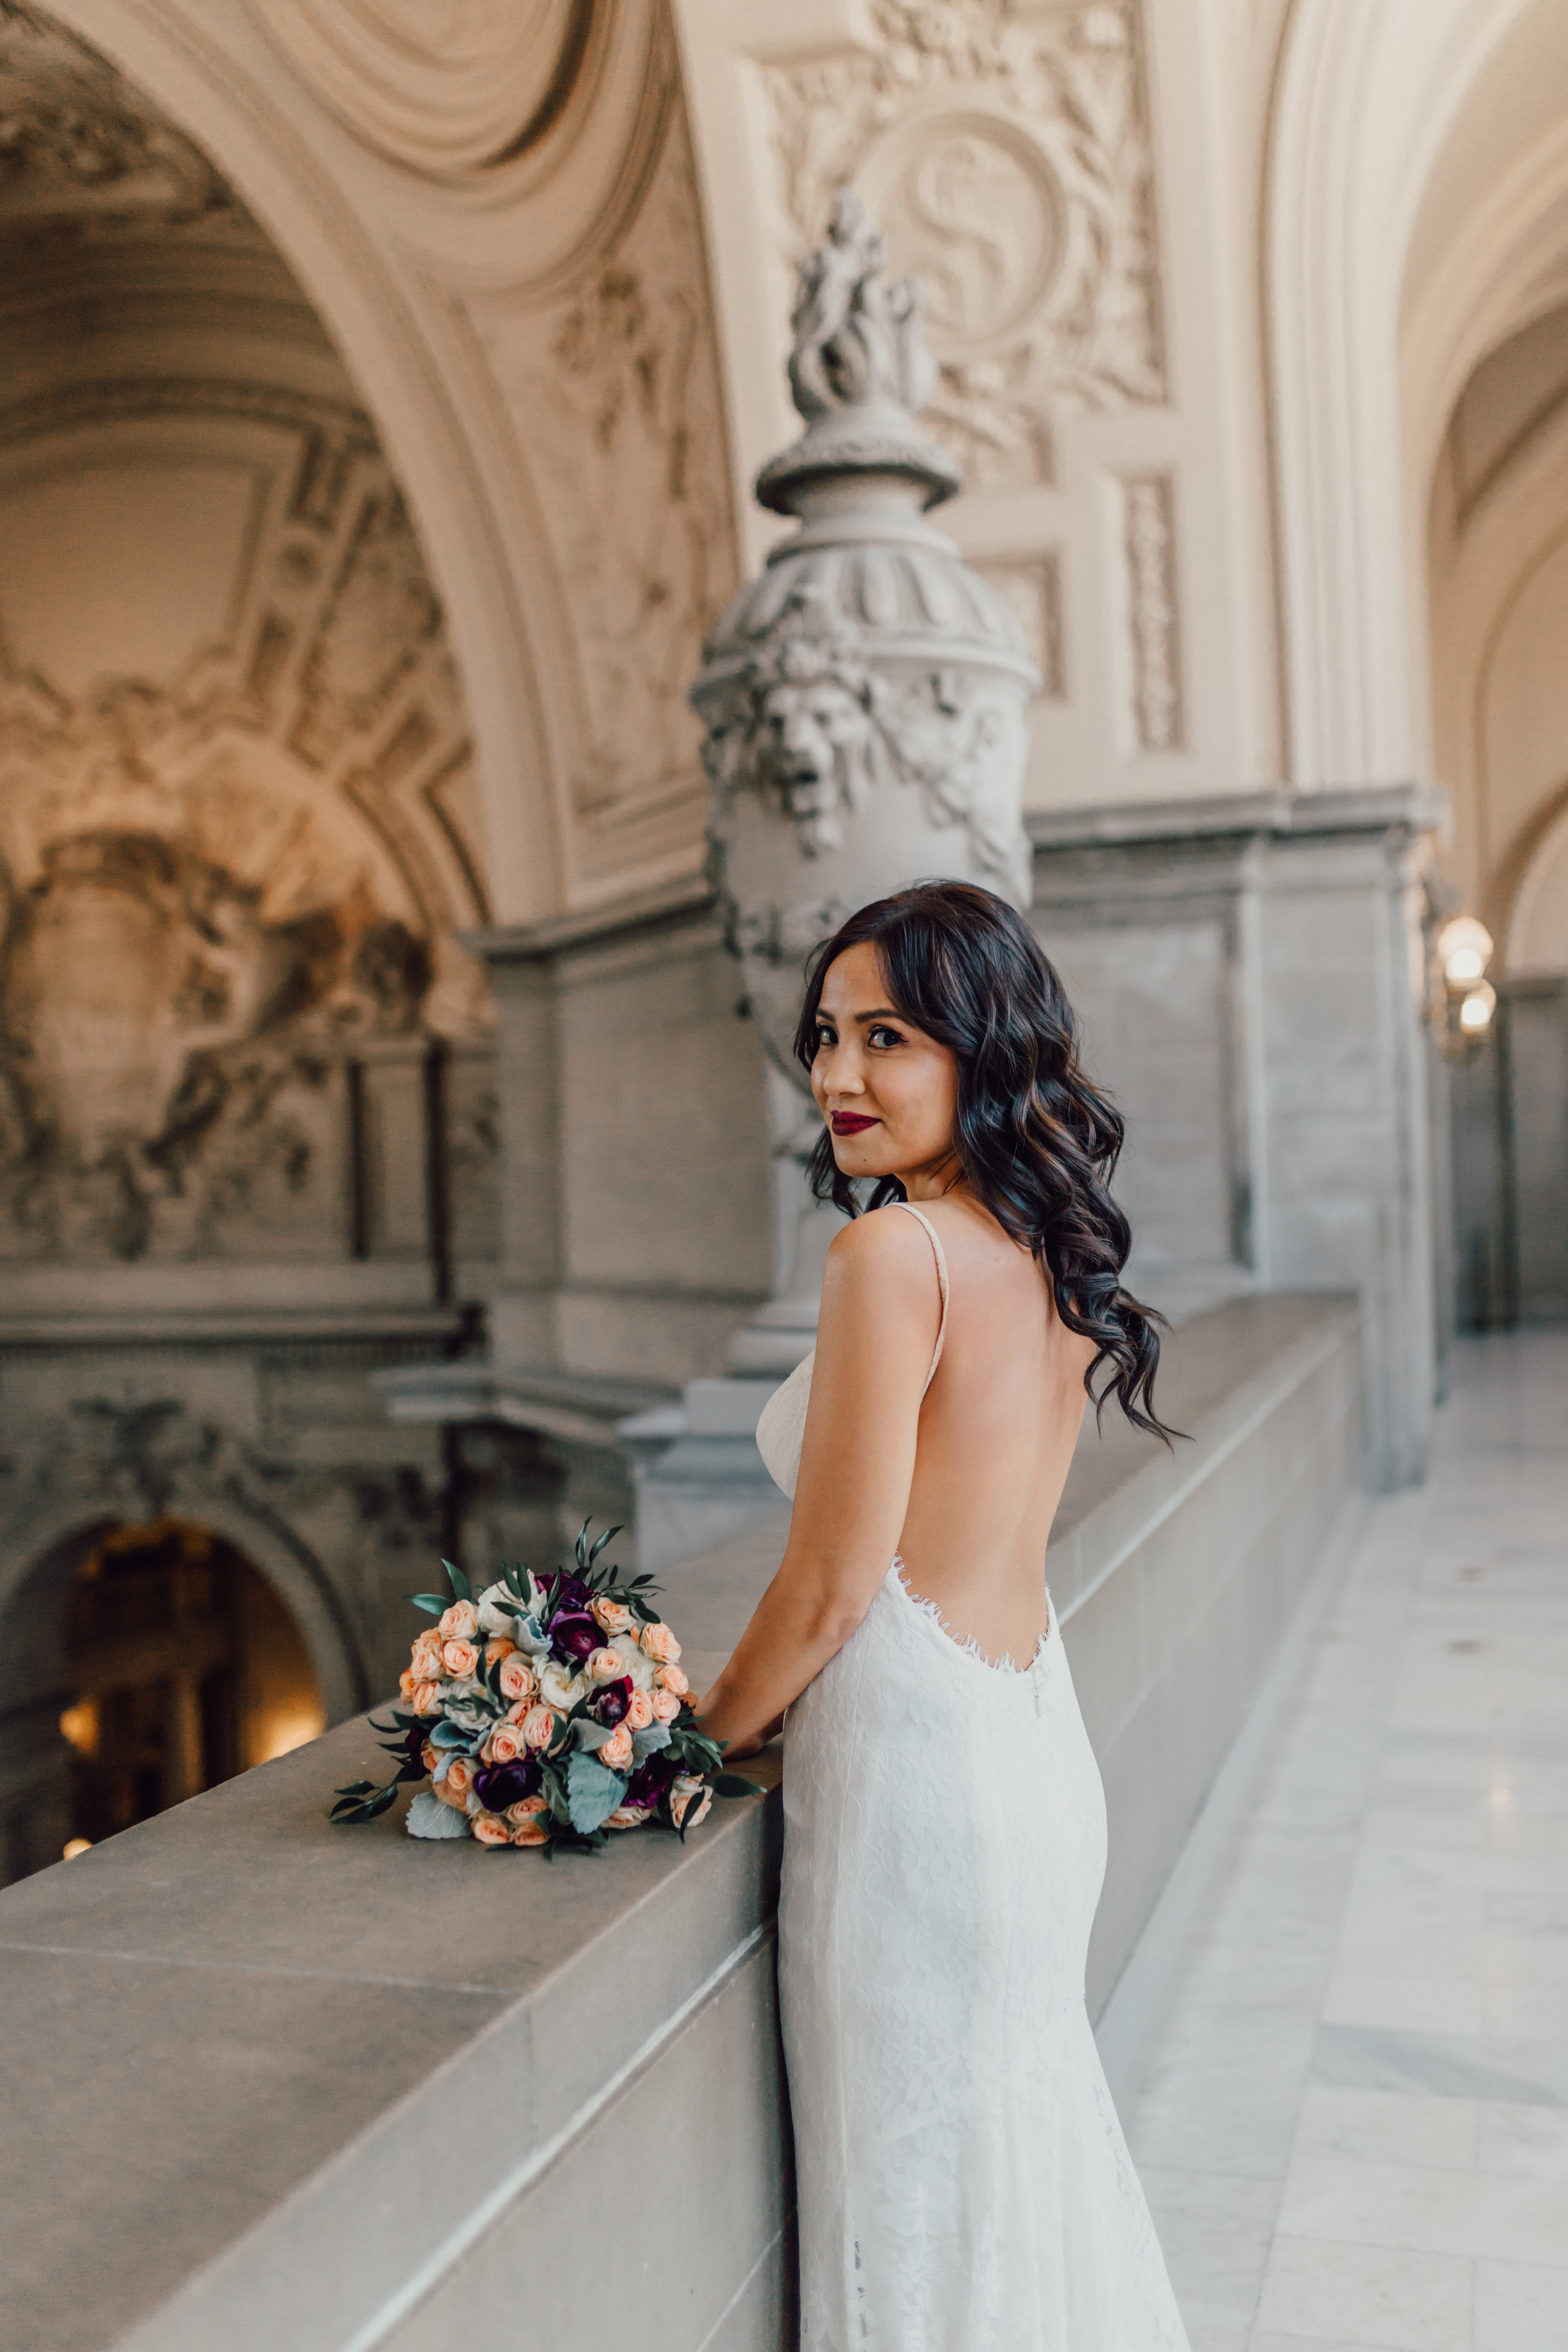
point(73, 1846)
point(1476, 1012)
point(1465, 950)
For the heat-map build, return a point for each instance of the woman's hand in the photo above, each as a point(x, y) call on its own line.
point(737, 1750)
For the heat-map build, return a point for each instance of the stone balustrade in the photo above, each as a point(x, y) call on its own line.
point(273, 2083)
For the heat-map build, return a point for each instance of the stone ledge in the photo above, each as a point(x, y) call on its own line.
point(1417, 806)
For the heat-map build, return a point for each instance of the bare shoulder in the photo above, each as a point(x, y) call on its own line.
point(883, 1255)
point(883, 1240)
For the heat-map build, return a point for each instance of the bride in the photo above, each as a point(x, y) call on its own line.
point(964, 2186)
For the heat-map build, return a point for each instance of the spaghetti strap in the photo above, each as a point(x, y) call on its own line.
point(940, 1282)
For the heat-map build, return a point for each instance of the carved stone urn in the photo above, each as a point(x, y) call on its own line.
point(864, 698)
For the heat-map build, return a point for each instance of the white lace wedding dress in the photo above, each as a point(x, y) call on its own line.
point(963, 2182)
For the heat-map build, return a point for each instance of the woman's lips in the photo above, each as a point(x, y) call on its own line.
point(849, 1122)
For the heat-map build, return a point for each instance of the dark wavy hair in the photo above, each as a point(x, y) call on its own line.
point(1037, 1142)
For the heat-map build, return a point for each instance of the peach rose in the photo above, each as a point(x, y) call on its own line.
point(491, 1829)
point(517, 1678)
point(665, 1706)
point(672, 1678)
point(538, 1727)
point(460, 1623)
point(681, 1793)
point(425, 1658)
point(610, 1616)
point(530, 1833)
point(460, 1779)
point(446, 1795)
point(425, 1698)
point(504, 1744)
point(616, 1752)
point(627, 1817)
point(525, 1809)
point(460, 1659)
point(406, 1685)
point(639, 1712)
point(430, 1756)
point(605, 1666)
point(659, 1643)
point(498, 1649)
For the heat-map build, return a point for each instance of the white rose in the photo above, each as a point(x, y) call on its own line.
point(560, 1688)
point(639, 1664)
point(495, 1620)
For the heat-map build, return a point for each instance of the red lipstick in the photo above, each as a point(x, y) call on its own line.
point(849, 1122)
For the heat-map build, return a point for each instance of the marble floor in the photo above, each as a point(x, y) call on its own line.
point(1354, 2133)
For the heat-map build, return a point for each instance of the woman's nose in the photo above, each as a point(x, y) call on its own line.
point(842, 1073)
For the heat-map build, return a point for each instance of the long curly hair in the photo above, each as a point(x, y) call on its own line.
point(1037, 1143)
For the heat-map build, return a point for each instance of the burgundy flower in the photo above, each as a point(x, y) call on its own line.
point(649, 1782)
point(611, 1701)
point(569, 1592)
point(574, 1638)
point(500, 1785)
point(413, 1741)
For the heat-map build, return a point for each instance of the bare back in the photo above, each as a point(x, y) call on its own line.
point(997, 1429)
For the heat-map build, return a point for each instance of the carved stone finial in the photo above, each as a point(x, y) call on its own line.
point(857, 339)
point(860, 369)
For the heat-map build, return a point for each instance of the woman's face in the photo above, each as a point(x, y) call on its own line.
point(889, 1092)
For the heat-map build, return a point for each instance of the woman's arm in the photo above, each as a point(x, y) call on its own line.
point(880, 1313)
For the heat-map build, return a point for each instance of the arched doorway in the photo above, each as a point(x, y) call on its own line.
point(185, 1667)
point(144, 1661)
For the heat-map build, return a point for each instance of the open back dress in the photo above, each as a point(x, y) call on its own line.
point(963, 2182)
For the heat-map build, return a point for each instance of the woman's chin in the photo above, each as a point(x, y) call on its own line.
point(853, 1157)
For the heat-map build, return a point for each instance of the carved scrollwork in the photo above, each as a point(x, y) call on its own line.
point(1153, 612)
point(1009, 155)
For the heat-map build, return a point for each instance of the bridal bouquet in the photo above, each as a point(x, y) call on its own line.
point(545, 1712)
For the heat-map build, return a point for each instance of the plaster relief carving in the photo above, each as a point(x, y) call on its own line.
point(627, 459)
point(80, 150)
point(445, 89)
point(1154, 620)
point(1009, 155)
point(1031, 586)
point(221, 885)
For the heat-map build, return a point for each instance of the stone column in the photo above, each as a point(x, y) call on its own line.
point(864, 703)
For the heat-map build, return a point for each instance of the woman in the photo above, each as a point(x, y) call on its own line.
point(964, 2180)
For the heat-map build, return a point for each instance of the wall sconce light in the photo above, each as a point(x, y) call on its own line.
point(1465, 1019)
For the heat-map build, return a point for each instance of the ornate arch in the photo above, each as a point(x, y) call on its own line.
point(513, 274)
point(1365, 93)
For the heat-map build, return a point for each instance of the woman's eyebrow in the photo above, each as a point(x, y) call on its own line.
point(882, 1012)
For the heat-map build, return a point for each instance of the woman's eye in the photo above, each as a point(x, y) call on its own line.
point(824, 1038)
point(883, 1037)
